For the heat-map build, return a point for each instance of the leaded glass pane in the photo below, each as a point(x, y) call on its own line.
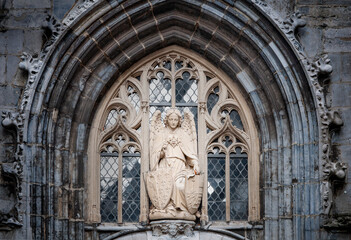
point(238, 186)
point(131, 187)
point(216, 187)
point(109, 187)
point(167, 65)
point(227, 141)
point(160, 89)
point(186, 89)
point(133, 97)
point(212, 99)
point(120, 140)
point(178, 65)
point(234, 117)
point(112, 117)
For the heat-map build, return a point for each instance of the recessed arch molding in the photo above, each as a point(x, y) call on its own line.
point(99, 41)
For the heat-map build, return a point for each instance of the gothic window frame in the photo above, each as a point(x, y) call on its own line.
point(207, 76)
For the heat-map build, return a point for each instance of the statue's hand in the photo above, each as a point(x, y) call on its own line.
point(196, 168)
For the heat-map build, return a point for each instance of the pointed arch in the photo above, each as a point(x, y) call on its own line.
point(99, 47)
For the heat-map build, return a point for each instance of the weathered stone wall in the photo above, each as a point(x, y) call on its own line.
point(327, 31)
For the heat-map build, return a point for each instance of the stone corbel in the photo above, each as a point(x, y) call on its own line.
point(290, 27)
point(32, 66)
point(172, 229)
point(202, 107)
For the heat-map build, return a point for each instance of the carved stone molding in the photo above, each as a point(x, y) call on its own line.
point(319, 76)
point(52, 30)
point(77, 11)
point(32, 66)
point(319, 73)
point(172, 229)
point(12, 170)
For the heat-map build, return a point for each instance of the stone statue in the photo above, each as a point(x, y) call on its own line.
point(174, 183)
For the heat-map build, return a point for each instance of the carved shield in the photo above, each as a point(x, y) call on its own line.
point(193, 192)
point(159, 186)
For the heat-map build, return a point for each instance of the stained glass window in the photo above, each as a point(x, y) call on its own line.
point(173, 80)
point(119, 179)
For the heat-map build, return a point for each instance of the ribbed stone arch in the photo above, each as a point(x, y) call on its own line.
point(108, 38)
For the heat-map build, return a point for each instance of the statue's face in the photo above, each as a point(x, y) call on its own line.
point(173, 121)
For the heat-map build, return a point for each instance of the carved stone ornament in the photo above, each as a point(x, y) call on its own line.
point(342, 223)
point(12, 170)
point(319, 73)
point(174, 184)
point(319, 76)
point(31, 65)
point(77, 11)
point(53, 28)
point(172, 229)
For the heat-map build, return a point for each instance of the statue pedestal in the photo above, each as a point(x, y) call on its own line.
point(172, 229)
point(171, 214)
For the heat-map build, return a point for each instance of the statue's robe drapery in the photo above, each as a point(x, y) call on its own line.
point(179, 155)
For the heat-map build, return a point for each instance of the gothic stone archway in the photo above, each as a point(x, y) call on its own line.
point(101, 43)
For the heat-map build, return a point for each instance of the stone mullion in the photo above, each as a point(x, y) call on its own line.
point(173, 91)
point(144, 164)
point(227, 187)
point(202, 141)
point(120, 187)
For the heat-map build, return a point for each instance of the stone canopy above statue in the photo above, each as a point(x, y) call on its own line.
point(174, 183)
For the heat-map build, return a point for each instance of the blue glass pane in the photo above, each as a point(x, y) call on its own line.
point(234, 118)
point(131, 188)
point(238, 188)
point(186, 89)
point(109, 188)
point(212, 99)
point(216, 188)
point(160, 89)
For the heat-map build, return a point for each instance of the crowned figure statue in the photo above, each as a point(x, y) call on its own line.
point(174, 183)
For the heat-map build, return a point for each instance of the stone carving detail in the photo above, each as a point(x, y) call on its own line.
point(260, 3)
point(319, 73)
point(53, 28)
point(289, 25)
point(32, 66)
point(145, 106)
point(13, 121)
point(174, 184)
point(175, 229)
point(292, 23)
point(77, 11)
point(342, 223)
point(13, 170)
point(202, 107)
